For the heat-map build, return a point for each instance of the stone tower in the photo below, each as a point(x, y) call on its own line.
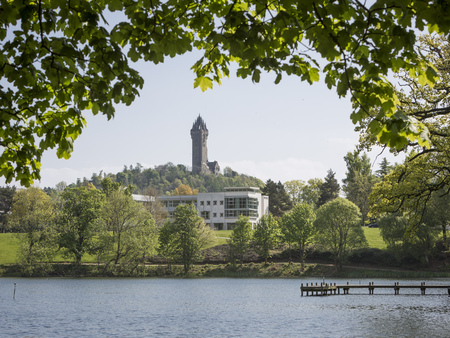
point(199, 135)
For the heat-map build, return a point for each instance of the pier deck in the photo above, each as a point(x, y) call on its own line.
point(324, 289)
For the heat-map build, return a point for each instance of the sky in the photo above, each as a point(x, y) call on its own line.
point(289, 131)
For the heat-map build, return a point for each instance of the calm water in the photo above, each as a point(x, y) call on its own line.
point(215, 307)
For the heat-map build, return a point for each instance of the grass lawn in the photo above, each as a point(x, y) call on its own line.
point(222, 236)
point(374, 238)
point(9, 245)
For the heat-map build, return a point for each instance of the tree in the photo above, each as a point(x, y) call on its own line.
point(395, 230)
point(60, 60)
point(338, 228)
point(297, 227)
point(356, 164)
point(129, 231)
point(240, 238)
point(266, 236)
point(32, 214)
point(437, 213)
point(311, 192)
point(155, 207)
point(6, 201)
point(329, 190)
point(409, 186)
point(359, 181)
point(183, 238)
point(184, 189)
point(279, 199)
point(294, 189)
point(79, 222)
point(385, 168)
point(407, 189)
point(108, 186)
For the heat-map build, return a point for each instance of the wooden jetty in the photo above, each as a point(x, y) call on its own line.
point(323, 289)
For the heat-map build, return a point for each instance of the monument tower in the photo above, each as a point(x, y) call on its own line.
point(199, 135)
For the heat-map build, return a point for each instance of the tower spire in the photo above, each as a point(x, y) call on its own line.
point(199, 135)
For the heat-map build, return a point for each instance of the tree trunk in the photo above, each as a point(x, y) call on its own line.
point(444, 236)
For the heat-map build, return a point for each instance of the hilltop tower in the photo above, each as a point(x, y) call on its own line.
point(199, 135)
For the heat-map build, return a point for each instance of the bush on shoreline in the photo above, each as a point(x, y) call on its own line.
point(247, 270)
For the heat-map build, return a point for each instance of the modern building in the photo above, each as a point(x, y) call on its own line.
point(199, 135)
point(221, 209)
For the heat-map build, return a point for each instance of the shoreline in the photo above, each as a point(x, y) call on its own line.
point(225, 270)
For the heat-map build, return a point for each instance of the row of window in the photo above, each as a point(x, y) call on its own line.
point(202, 203)
point(236, 213)
point(230, 203)
point(206, 214)
point(241, 203)
point(170, 204)
point(229, 213)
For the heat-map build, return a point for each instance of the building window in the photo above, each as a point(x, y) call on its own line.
point(214, 202)
point(202, 203)
point(221, 214)
point(205, 214)
point(214, 214)
point(208, 202)
point(221, 202)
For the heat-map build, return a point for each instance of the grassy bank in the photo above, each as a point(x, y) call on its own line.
point(249, 270)
point(216, 257)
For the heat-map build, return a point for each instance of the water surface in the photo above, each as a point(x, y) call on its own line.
point(215, 307)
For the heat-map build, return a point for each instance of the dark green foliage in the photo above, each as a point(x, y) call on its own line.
point(165, 178)
point(437, 213)
point(385, 168)
point(338, 229)
point(59, 59)
point(297, 228)
point(182, 238)
point(408, 245)
point(279, 201)
point(128, 232)
point(240, 239)
point(329, 190)
point(266, 236)
point(359, 181)
point(79, 221)
point(6, 201)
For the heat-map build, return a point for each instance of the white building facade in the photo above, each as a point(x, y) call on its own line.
point(221, 209)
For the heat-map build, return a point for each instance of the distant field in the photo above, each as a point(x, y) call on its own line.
point(9, 245)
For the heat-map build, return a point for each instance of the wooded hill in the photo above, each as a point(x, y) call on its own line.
point(165, 178)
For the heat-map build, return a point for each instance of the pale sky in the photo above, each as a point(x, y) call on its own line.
point(289, 131)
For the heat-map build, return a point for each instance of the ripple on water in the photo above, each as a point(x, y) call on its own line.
point(210, 307)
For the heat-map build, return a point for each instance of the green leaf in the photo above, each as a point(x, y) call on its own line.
point(204, 83)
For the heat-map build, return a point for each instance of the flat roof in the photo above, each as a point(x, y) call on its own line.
point(253, 189)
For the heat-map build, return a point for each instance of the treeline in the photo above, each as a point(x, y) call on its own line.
point(412, 213)
point(164, 179)
point(106, 223)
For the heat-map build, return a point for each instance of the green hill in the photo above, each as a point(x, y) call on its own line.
point(163, 179)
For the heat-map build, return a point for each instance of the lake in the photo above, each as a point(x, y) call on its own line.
point(216, 307)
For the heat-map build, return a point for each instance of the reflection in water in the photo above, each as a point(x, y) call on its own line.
point(213, 307)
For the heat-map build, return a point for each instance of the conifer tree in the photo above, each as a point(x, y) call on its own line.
point(329, 190)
